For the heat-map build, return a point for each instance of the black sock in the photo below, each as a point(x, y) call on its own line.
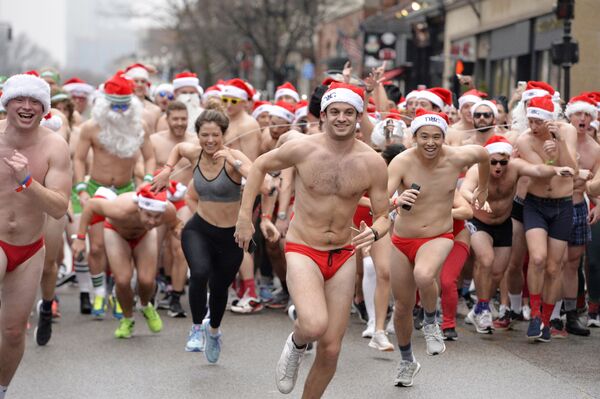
point(296, 345)
point(46, 306)
point(176, 295)
point(406, 352)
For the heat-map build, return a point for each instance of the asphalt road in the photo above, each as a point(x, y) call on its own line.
point(83, 360)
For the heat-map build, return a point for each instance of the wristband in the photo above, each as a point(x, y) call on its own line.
point(169, 166)
point(550, 162)
point(282, 215)
point(24, 184)
point(237, 164)
point(79, 187)
point(266, 216)
point(148, 178)
point(375, 233)
point(80, 237)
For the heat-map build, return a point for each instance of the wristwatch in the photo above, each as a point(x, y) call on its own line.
point(237, 164)
point(282, 215)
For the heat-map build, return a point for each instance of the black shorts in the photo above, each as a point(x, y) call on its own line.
point(517, 209)
point(581, 233)
point(555, 215)
point(501, 233)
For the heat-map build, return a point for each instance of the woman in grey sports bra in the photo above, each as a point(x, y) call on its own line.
point(207, 239)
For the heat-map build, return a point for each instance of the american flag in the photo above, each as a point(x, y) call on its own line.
point(351, 46)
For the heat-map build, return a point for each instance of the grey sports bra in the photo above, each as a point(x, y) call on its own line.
point(220, 189)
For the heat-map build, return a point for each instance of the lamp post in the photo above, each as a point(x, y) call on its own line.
point(566, 52)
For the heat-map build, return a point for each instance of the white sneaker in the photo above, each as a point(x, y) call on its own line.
point(370, 330)
point(288, 365)
point(390, 329)
point(594, 321)
point(470, 316)
point(406, 373)
point(483, 321)
point(493, 310)
point(196, 341)
point(381, 342)
point(247, 304)
point(434, 339)
point(526, 312)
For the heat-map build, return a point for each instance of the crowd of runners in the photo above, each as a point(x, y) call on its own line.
point(351, 199)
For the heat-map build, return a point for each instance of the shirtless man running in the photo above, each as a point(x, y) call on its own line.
point(35, 179)
point(333, 171)
point(425, 176)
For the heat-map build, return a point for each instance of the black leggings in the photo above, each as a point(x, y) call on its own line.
point(214, 258)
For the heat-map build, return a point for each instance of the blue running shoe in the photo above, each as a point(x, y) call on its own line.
point(99, 308)
point(534, 330)
point(196, 341)
point(545, 336)
point(265, 293)
point(212, 348)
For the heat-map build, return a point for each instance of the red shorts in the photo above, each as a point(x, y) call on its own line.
point(16, 255)
point(179, 204)
point(459, 225)
point(362, 213)
point(410, 246)
point(329, 262)
point(133, 242)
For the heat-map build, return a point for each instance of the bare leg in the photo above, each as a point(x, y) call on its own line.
point(381, 253)
point(404, 290)
point(146, 255)
point(428, 262)
point(53, 241)
point(119, 256)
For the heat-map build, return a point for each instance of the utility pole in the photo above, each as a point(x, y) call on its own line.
point(566, 52)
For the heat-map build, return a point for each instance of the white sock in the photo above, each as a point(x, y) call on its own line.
point(556, 311)
point(502, 311)
point(3, 391)
point(368, 285)
point(99, 284)
point(516, 302)
point(82, 271)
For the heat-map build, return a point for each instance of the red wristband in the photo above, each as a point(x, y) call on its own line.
point(26, 183)
point(266, 216)
point(81, 237)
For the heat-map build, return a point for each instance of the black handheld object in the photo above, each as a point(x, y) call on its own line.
point(413, 186)
point(251, 246)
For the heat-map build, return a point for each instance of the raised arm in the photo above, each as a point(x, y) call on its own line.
point(181, 150)
point(461, 209)
point(469, 184)
point(525, 168)
point(476, 154)
point(81, 151)
point(149, 158)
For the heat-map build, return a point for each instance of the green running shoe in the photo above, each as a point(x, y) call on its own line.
point(153, 320)
point(125, 328)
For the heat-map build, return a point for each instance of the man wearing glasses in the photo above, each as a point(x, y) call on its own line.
point(116, 135)
point(491, 226)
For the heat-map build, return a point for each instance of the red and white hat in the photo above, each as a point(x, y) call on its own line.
point(582, 103)
point(429, 118)
point(343, 93)
point(287, 89)
point(176, 191)
point(541, 108)
point(487, 103)
point(283, 110)
point(52, 122)
point(137, 71)
point(118, 89)
point(27, 84)
point(77, 86)
point(438, 96)
point(498, 145)
point(260, 107)
point(236, 88)
point(151, 201)
point(187, 79)
point(536, 89)
point(301, 110)
point(412, 94)
point(212, 91)
point(471, 96)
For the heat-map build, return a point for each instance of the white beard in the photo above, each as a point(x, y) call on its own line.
point(192, 103)
point(121, 133)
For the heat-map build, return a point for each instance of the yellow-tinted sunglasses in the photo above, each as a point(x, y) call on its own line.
point(233, 101)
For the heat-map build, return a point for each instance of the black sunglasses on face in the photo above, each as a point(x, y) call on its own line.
point(502, 162)
point(485, 115)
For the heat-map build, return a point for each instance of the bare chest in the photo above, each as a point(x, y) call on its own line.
point(37, 162)
point(345, 178)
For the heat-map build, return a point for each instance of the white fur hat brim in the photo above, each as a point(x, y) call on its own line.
point(23, 85)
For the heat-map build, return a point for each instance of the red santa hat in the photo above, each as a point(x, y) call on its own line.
point(594, 95)
point(412, 94)
point(52, 122)
point(471, 96)
point(151, 201)
point(212, 91)
point(176, 191)
point(582, 103)
point(487, 103)
point(187, 79)
point(429, 118)
point(118, 89)
point(301, 110)
point(137, 71)
point(536, 89)
point(287, 89)
point(438, 96)
point(260, 107)
point(541, 108)
point(283, 110)
point(343, 93)
point(28, 84)
point(236, 88)
point(76, 86)
point(498, 145)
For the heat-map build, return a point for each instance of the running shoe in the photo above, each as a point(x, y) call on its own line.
point(557, 329)
point(503, 323)
point(361, 310)
point(470, 316)
point(593, 320)
point(196, 341)
point(165, 302)
point(85, 306)
point(406, 373)
point(526, 313)
point(99, 309)
point(280, 300)
point(288, 365)
point(153, 320)
point(116, 307)
point(482, 321)
point(265, 292)
point(212, 348)
point(370, 330)
point(450, 334)
point(534, 330)
point(434, 339)
point(514, 316)
point(545, 335)
point(418, 316)
point(390, 329)
point(575, 326)
point(381, 342)
point(292, 313)
point(55, 308)
point(43, 331)
point(176, 310)
point(247, 305)
point(125, 329)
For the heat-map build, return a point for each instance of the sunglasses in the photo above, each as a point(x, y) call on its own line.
point(502, 162)
point(119, 107)
point(233, 101)
point(170, 96)
point(485, 115)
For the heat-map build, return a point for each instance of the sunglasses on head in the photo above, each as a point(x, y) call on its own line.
point(119, 107)
point(485, 115)
point(502, 162)
point(170, 96)
point(233, 101)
